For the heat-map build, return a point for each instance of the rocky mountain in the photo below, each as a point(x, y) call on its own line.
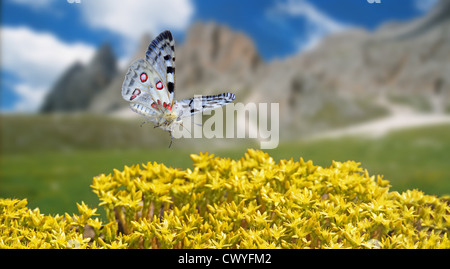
point(342, 81)
point(214, 57)
point(76, 88)
point(339, 82)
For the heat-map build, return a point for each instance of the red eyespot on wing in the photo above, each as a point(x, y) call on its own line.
point(169, 107)
point(155, 106)
point(136, 92)
point(144, 77)
point(159, 85)
point(159, 102)
point(165, 104)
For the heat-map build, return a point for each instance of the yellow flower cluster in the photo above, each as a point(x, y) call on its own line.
point(21, 227)
point(253, 202)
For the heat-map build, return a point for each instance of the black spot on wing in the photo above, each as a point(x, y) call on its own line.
point(170, 87)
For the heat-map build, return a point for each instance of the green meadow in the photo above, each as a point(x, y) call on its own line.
point(51, 160)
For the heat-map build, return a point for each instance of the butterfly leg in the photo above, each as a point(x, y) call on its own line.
point(147, 121)
point(171, 139)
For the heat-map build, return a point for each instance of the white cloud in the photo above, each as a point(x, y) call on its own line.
point(311, 13)
point(31, 97)
point(132, 18)
point(37, 59)
point(424, 5)
point(318, 23)
point(309, 41)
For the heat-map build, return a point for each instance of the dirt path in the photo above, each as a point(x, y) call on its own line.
point(401, 117)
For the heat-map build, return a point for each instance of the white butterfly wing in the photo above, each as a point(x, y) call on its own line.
point(198, 104)
point(161, 55)
point(149, 83)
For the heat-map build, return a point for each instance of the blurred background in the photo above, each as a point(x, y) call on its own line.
point(354, 80)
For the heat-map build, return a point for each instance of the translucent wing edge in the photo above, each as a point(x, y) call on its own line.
point(198, 104)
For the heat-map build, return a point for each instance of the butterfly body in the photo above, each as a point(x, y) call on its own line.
point(149, 86)
point(166, 120)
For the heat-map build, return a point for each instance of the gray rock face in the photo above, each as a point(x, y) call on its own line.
point(76, 88)
point(212, 52)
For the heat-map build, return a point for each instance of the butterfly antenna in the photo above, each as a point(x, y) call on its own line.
point(198, 124)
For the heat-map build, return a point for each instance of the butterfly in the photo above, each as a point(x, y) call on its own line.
point(149, 86)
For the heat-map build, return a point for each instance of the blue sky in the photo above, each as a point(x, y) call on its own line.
point(41, 38)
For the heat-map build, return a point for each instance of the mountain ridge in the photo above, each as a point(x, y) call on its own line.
point(78, 85)
point(329, 86)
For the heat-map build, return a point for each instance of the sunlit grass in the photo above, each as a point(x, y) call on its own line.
point(414, 158)
point(54, 176)
point(54, 181)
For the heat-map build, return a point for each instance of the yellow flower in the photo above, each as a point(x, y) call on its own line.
point(253, 202)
